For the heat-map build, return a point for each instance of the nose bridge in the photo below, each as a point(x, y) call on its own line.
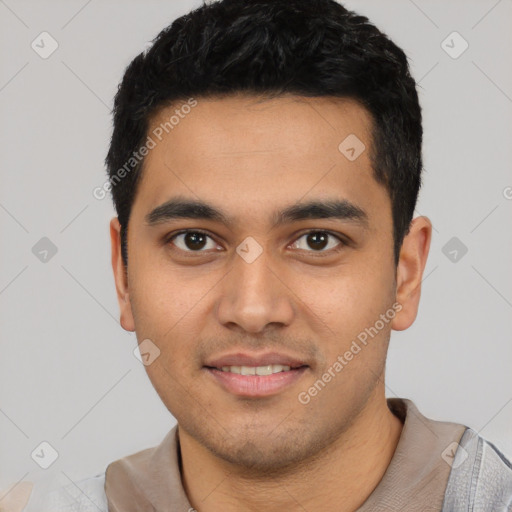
point(252, 295)
point(255, 279)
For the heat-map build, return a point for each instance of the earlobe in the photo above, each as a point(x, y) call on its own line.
point(120, 277)
point(413, 258)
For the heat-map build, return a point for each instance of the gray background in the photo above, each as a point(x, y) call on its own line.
point(68, 375)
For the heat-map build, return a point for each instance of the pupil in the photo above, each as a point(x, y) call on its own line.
point(195, 240)
point(317, 240)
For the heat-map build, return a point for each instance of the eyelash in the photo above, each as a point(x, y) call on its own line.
point(340, 246)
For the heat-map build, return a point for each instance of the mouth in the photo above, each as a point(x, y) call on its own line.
point(268, 369)
point(255, 376)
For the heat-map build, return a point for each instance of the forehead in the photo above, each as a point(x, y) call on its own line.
point(240, 124)
point(250, 152)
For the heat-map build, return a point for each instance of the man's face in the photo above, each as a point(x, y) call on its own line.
point(254, 292)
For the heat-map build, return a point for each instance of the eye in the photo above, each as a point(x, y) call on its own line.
point(200, 241)
point(318, 241)
point(193, 241)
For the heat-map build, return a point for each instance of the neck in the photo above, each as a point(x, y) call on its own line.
point(339, 479)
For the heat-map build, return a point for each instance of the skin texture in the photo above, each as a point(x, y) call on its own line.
point(250, 157)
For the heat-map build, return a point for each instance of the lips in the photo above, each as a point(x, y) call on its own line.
point(255, 375)
point(255, 360)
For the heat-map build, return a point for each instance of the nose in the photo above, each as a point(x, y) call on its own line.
point(253, 296)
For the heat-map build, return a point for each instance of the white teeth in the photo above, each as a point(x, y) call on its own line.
point(264, 370)
point(268, 369)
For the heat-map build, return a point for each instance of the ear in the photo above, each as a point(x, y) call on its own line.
point(411, 264)
point(121, 277)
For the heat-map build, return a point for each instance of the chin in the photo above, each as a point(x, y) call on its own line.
point(263, 456)
point(265, 449)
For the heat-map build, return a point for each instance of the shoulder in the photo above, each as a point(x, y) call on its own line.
point(87, 495)
point(481, 477)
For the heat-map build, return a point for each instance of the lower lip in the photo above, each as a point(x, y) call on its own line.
point(256, 385)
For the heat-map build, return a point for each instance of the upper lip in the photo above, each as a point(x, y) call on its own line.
point(246, 359)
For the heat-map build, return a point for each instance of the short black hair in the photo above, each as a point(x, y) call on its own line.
point(310, 48)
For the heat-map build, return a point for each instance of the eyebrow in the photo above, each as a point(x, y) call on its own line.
point(182, 208)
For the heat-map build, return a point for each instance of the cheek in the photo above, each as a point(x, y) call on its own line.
point(169, 310)
point(166, 300)
point(350, 332)
point(347, 301)
point(346, 308)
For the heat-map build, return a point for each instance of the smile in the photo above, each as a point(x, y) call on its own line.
point(268, 369)
point(256, 381)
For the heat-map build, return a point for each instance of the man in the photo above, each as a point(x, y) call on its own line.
point(265, 164)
